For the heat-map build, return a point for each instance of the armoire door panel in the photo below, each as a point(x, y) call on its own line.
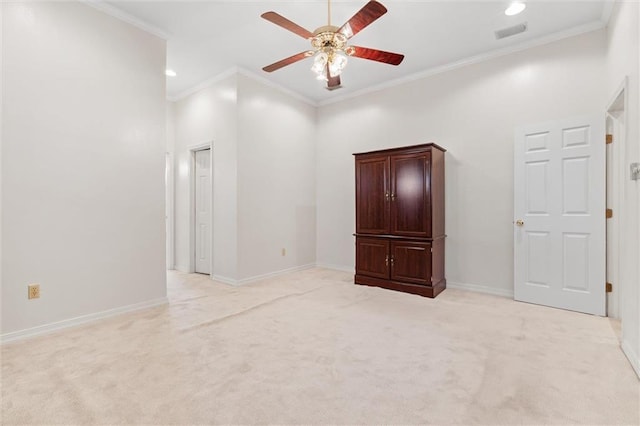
point(410, 195)
point(411, 262)
point(372, 257)
point(372, 196)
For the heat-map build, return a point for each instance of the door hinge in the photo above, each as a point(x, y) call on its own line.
point(431, 249)
point(609, 287)
point(608, 213)
point(635, 171)
point(609, 139)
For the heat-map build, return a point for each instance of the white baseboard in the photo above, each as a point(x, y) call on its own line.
point(255, 278)
point(342, 268)
point(462, 286)
point(84, 319)
point(481, 289)
point(632, 356)
point(224, 280)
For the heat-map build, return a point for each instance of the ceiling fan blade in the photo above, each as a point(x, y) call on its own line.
point(287, 61)
point(365, 16)
point(377, 55)
point(333, 83)
point(287, 24)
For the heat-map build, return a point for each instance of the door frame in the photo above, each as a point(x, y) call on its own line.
point(192, 205)
point(618, 129)
point(170, 210)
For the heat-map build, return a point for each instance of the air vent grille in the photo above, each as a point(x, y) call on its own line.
point(511, 31)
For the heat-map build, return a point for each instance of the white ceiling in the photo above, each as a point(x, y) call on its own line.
point(207, 38)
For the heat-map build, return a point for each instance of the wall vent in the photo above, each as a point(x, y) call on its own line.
point(508, 32)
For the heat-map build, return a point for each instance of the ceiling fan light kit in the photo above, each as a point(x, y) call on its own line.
point(330, 52)
point(330, 49)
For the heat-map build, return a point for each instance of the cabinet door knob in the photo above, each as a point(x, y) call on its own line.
point(386, 261)
point(386, 195)
point(520, 222)
point(393, 196)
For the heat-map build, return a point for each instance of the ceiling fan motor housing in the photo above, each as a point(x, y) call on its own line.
point(328, 37)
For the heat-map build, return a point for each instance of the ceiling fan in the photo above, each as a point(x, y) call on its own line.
point(330, 49)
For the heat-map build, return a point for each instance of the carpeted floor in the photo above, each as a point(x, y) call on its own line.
point(312, 348)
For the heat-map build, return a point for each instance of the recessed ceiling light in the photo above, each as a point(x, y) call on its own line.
point(515, 8)
point(170, 73)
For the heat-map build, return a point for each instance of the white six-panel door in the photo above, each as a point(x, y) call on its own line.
point(203, 211)
point(559, 224)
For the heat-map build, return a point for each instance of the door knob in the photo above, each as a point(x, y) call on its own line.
point(520, 222)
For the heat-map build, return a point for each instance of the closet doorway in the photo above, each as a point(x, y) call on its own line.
point(201, 208)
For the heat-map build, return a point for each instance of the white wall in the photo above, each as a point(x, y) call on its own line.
point(1, 133)
point(264, 177)
point(276, 180)
point(170, 184)
point(83, 143)
point(623, 45)
point(171, 126)
point(472, 112)
point(209, 115)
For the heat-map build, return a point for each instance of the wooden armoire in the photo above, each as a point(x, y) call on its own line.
point(400, 219)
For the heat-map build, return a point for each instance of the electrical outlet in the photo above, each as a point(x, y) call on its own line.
point(284, 252)
point(34, 291)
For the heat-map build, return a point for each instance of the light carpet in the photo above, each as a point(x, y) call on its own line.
point(312, 348)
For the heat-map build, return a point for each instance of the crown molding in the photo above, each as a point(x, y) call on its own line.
point(607, 10)
point(204, 84)
point(124, 16)
point(582, 29)
point(245, 73)
point(250, 74)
